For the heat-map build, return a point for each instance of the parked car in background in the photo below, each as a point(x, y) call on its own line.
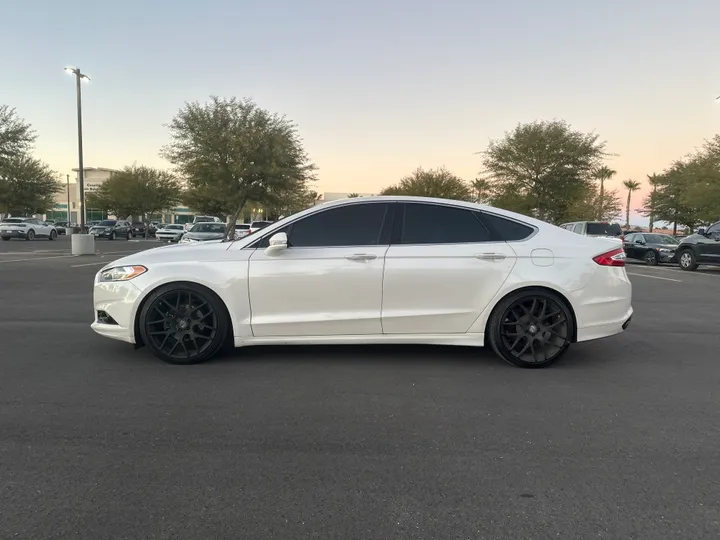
point(652, 248)
point(26, 228)
point(373, 270)
point(702, 247)
point(241, 230)
point(172, 232)
point(112, 229)
point(202, 232)
point(202, 219)
point(595, 229)
point(60, 226)
point(256, 226)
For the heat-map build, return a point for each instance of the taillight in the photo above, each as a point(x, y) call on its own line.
point(615, 257)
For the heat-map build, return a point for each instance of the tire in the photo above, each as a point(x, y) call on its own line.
point(112, 235)
point(650, 258)
point(30, 235)
point(53, 235)
point(528, 319)
point(129, 236)
point(687, 260)
point(5, 239)
point(184, 315)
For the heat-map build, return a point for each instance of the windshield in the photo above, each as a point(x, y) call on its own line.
point(603, 229)
point(107, 223)
point(13, 220)
point(242, 226)
point(209, 228)
point(660, 239)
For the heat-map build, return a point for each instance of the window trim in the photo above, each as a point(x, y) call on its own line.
point(389, 212)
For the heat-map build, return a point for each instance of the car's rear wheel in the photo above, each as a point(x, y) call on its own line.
point(651, 258)
point(531, 329)
point(687, 260)
point(184, 324)
point(30, 235)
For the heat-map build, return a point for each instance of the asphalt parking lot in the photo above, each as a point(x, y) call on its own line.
point(619, 440)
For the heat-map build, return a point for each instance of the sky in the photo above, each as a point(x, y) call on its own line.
point(377, 88)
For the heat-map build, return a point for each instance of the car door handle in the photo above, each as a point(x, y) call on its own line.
point(490, 256)
point(361, 257)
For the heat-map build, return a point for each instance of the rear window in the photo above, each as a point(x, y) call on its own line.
point(209, 228)
point(604, 229)
point(107, 223)
point(203, 219)
point(242, 226)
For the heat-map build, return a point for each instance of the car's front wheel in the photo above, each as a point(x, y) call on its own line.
point(53, 235)
point(651, 258)
point(687, 260)
point(531, 328)
point(184, 323)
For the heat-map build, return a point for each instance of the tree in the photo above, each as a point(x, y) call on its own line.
point(16, 136)
point(543, 168)
point(631, 186)
point(27, 186)
point(231, 152)
point(353, 195)
point(602, 173)
point(138, 191)
point(650, 201)
point(439, 183)
point(586, 209)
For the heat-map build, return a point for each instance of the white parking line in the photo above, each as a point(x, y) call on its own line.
point(655, 277)
point(684, 272)
point(87, 264)
point(38, 258)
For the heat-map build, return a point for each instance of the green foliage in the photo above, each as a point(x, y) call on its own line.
point(688, 192)
point(27, 186)
point(353, 195)
point(137, 191)
point(544, 169)
point(231, 152)
point(16, 137)
point(631, 186)
point(439, 183)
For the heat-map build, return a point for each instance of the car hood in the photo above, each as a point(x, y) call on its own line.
point(203, 251)
point(655, 245)
point(693, 239)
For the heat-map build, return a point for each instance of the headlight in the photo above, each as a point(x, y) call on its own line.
point(665, 250)
point(122, 273)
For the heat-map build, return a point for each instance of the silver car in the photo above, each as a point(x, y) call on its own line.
point(202, 232)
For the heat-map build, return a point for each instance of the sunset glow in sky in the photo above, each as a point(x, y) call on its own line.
point(377, 88)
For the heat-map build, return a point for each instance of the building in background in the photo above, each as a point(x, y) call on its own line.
point(94, 178)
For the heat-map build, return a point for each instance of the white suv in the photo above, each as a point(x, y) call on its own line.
point(202, 219)
point(597, 229)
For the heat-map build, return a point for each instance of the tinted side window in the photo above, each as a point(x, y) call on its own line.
point(714, 229)
point(629, 238)
point(354, 225)
point(506, 229)
point(436, 224)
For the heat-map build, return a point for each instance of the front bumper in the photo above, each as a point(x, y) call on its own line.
point(666, 257)
point(101, 234)
point(119, 300)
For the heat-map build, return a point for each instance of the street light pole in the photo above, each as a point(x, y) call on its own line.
point(67, 177)
point(81, 172)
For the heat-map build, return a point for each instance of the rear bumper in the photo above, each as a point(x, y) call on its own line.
point(13, 234)
point(604, 307)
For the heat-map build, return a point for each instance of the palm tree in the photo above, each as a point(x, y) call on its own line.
point(353, 195)
point(630, 185)
point(654, 181)
point(602, 173)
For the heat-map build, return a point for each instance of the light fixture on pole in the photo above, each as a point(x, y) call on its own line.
point(83, 244)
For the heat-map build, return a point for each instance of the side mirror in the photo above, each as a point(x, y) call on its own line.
point(701, 230)
point(641, 242)
point(278, 243)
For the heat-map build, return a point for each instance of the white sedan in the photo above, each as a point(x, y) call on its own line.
point(371, 270)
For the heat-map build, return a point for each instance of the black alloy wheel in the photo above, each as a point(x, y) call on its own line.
point(531, 329)
point(30, 235)
point(184, 324)
point(651, 258)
